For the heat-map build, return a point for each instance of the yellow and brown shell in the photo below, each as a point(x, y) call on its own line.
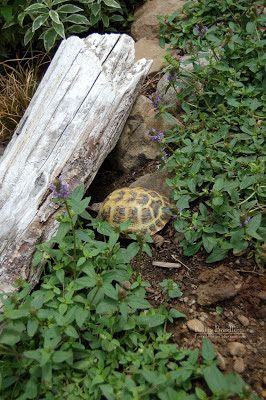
point(147, 210)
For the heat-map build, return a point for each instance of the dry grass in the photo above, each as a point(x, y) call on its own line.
point(18, 82)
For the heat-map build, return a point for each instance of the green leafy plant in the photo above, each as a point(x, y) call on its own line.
point(88, 332)
point(218, 156)
point(171, 289)
point(26, 22)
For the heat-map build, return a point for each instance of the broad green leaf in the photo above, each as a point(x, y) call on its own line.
point(207, 350)
point(136, 302)
point(215, 380)
point(85, 282)
point(183, 202)
point(176, 314)
point(36, 7)
point(60, 356)
point(68, 9)
point(9, 337)
point(108, 392)
point(105, 20)
point(59, 28)
point(81, 316)
point(112, 3)
point(16, 314)
point(71, 332)
point(201, 395)
point(33, 354)
point(110, 291)
point(219, 184)
point(32, 327)
point(28, 36)
point(253, 225)
point(251, 27)
point(209, 242)
point(78, 19)
point(151, 321)
point(49, 39)
point(54, 16)
point(217, 255)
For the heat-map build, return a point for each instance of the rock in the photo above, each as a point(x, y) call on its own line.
point(146, 23)
point(195, 325)
point(135, 147)
point(236, 348)
point(155, 181)
point(262, 295)
point(203, 316)
point(203, 59)
point(221, 361)
point(158, 240)
point(150, 49)
point(219, 284)
point(243, 320)
point(239, 365)
point(167, 93)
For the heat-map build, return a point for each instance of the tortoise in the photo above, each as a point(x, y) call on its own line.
point(147, 210)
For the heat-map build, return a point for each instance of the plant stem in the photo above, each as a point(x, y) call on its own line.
point(74, 236)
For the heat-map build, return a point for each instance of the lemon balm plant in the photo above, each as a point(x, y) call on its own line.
point(88, 331)
point(218, 157)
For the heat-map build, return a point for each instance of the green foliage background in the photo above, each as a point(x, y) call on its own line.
point(41, 24)
point(218, 157)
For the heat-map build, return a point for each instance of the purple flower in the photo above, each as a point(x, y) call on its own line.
point(59, 188)
point(155, 101)
point(246, 222)
point(157, 135)
point(171, 77)
point(200, 30)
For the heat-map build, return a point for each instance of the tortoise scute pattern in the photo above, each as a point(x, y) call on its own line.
point(146, 209)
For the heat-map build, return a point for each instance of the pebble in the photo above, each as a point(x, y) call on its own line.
point(195, 325)
point(262, 295)
point(243, 320)
point(236, 348)
point(203, 316)
point(239, 365)
point(185, 299)
point(221, 361)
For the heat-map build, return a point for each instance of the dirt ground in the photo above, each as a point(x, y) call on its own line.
point(225, 301)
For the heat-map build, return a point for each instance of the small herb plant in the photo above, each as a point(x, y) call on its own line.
point(218, 156)
point(88, 332)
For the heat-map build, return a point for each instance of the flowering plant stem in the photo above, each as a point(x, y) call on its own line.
point(74, 235)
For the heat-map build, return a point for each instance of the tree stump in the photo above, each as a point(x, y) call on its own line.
point(72, 123)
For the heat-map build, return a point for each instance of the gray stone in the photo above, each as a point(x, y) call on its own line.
point(236, 348)
point(150, 49)
point(243, 320)
point(195, 325)
point(135, 146)
point(155, 181)
point(221, 361)
point(239, 365)
point(168, 94)
point(146, 23)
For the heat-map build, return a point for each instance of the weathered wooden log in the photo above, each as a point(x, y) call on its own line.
point(72, 123)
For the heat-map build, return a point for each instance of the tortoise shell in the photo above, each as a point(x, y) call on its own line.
point(147, 210)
